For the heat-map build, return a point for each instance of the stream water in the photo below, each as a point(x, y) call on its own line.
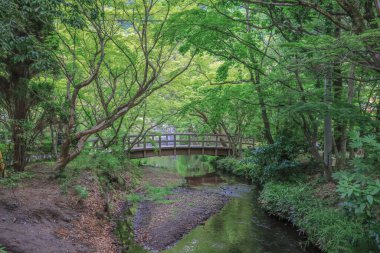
point(240, 227)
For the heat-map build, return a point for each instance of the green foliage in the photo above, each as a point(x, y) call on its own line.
point(228, 164)
point(360, 187)
point(327, 227)
point(222, 72)
point(269, 162)
point(275, 161)
point(108, 167)
point(361, 194)
point(3, 249)
point(371, 160)
point(81, 191)
point(238, 167)
point(13, 180)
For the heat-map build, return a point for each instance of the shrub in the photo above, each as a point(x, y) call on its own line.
point(108, 166)
point(275, 161)
point(227, 164)
point(360, 187)
point(234, 166)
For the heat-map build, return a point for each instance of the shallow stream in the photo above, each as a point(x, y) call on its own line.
point(240, 227)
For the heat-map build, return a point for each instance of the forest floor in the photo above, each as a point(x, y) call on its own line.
point(162, 222)
point(37, 217)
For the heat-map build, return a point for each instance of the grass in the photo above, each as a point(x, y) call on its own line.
point(81, 191)
point(326, 226)
point(156, 194)
point(134, 198)
point(13, 180)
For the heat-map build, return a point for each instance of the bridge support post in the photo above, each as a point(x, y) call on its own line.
point(216, 145)
point(175, 144)
point(144, 147)
point(203, 145)
point(159, 145)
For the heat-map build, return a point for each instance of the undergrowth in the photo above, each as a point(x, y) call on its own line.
point(81, 191)
point(327, 227)
point(107, 168)
point(3, 249)
point(13, 179)
point(337, 217)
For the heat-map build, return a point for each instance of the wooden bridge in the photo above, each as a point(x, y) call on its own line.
point(172, 144)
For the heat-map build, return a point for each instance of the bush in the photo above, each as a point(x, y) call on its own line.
point(234, 166)
point(359, 188)
point(327, 227)
point(108, 167)
point(275, 161)
point(227, 164)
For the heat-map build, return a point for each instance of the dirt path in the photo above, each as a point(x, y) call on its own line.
point(160, 225)
point(37, 217)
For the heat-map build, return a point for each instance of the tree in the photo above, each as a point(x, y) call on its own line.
point(284, 49)
point(25, 65)
point(234, 43)
point(137, 40)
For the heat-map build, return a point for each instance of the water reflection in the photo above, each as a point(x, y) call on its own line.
point(186, 166)
point(209, 178)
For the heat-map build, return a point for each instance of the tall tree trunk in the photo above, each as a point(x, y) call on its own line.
point(19, 117)
point(328, 140)
point(340, 128)
point(267, 128)
point(256, 82)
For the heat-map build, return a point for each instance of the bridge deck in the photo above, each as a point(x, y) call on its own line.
point(180, 144)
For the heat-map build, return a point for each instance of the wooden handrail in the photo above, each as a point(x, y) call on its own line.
point(174, 140)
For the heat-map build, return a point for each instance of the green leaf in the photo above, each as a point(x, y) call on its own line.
point(370, 199)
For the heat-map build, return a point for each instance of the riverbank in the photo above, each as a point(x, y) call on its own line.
point(167, 211)
point(311, 204)
point(78, 211)
point(37, 216)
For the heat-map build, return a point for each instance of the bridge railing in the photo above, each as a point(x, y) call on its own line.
point(183, 140)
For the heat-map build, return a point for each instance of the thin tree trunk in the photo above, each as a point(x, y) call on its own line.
point(350, 96)
point(54, 148)
point(264, 116)
point(328, 141)
point(256, 78)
